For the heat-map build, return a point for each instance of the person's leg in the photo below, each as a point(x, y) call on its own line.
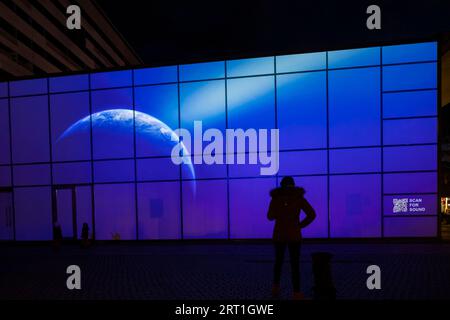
point(279, 257)
point(294, 255)
point(280, 248)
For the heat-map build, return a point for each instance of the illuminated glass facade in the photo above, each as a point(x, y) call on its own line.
point(358, 130)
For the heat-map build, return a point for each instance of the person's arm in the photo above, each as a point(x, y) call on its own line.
point(272, 212)
point(310, 214)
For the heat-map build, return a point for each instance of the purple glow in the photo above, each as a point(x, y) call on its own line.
point(159, 210)
point(355, 206)
point(410, 227)
point(249, 201)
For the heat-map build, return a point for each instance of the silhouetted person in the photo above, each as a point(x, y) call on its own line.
point(57, 235)
point(285, 207)
point(85, 235)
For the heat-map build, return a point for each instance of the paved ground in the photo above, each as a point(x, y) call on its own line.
point(218, 271)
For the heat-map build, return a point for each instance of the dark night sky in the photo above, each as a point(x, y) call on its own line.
point(164, 32)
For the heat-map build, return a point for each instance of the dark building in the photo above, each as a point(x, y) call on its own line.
point(34, 39)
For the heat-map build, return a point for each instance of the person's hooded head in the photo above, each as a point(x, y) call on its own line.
point(287, 182)
point(287, 188)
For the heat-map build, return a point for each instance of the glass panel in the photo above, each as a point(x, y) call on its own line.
point(3, 89)
point(410, 158)
point(70, 83)
point(251, 103)
point(160, 103)
point(72, 173)
point(115, 214)
point(202, 71)
point(409, 131)
point(71, 126)
point(354, 107)
point(355, 160)
point(354, 57)
point(32, 175)
point(317, 196)
point(410, 227)
point(200, 218)
point(4, 132)
point(410, 52)
point(155, 75)
point(410, 77)
point(33, 213)
point(29, 117)
point(250, 67)
point(159, 210)
point(114, 171)
point(304, 162)
point(5, 176)
point(113, 123)
point(28, 87)
point(157, 169)
point(111, 79)
point(249, 202)
point(302, 110)
point(410, 104)
point(301, 62)
point(355, 206)
point(420, 182)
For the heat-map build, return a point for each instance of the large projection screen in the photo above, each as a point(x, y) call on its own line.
point(357, 130)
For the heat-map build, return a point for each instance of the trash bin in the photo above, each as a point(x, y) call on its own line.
point(323, 288)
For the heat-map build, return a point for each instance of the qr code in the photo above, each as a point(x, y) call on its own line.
point(400, 205)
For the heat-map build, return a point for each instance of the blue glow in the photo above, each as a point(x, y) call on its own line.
point(410, 104)
point(4, 132)
point(419, 182)
point(410, 77)
point(203, 101)
point(28, 87)
point(72, 173)
point(354, 58)
point(66, 109)
point(303, 162)
point(111, 79)
point(69, 83)
point(362, 160)
point(331, 135)
point(354, 107)
point(251, 103)
point(408, 131)
point(155, 75)
point(157, 169)
point(301, 113)
point(29, 175)
point(161, 101)
point(3, 89)
point(29, 128)
point(114, 171)
point(410, 53)
point(301, 62)
point(410, 158)
point(202, 71)
point(250, 67)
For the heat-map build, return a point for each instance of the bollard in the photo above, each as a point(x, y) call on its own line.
point(323, 288)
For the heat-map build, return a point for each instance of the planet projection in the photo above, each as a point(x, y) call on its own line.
point(157, 136)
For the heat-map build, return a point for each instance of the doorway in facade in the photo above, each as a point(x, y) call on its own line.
point(72, 207)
